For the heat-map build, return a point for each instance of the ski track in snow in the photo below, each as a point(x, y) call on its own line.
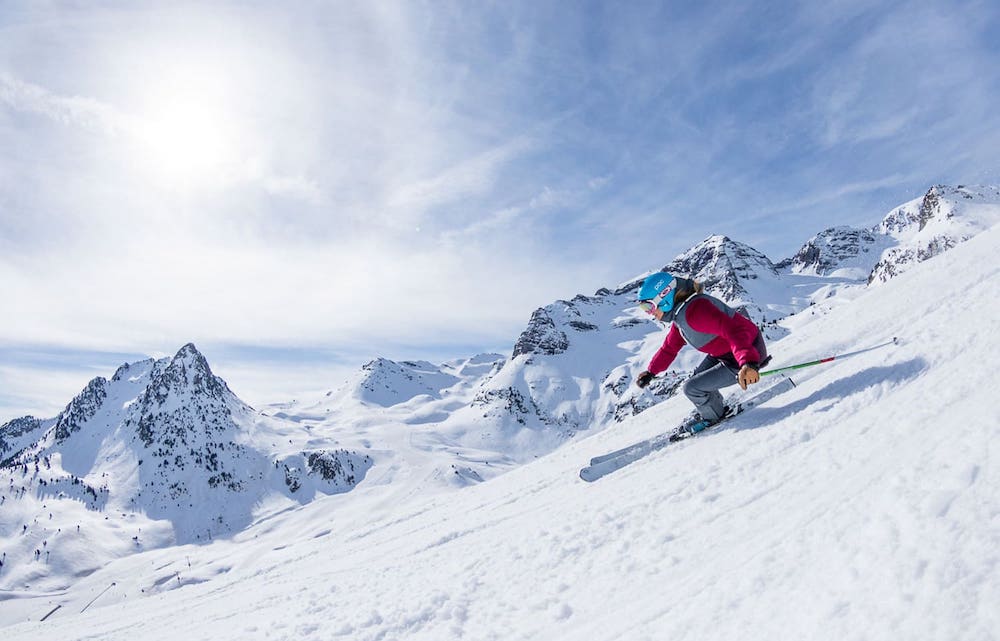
point(860, 505)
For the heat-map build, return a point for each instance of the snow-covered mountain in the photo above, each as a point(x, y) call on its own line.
point(839, 248)
point(161, 453)
point(926, 227)
point(913, 232)
point(732, 271)
point(876, 475)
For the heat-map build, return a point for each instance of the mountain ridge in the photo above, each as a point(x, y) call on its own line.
point(163, 447)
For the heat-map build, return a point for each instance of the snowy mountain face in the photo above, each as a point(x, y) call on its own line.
point(570, 370)
point(926, 227)
point(17, 434)
point(186, 424)
point(837, 248)
point(573, 367)
point(911, 233)
point(163, 446)
point(386, 383)
point(726, 268)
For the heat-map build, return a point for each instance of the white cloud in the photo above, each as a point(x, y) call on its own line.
point(896, 81)
point(470, 177)
point(41, 391)
point(87, 113)
point(184, 140)
point(359, 291)
point(832, 194)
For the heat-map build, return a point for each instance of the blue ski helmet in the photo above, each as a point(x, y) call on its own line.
point(659, 288)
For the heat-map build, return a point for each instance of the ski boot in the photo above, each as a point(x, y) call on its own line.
point(697, 424)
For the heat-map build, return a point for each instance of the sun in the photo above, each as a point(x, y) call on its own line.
point(187, 132)
point(186, 137)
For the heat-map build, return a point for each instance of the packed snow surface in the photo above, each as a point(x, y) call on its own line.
point(863, 504)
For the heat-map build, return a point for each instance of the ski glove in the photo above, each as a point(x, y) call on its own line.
point(748, 376)
point(642, 380)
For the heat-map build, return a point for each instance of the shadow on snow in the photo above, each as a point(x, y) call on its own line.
point(856, 383)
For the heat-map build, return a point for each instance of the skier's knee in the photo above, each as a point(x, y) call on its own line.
point(692, 391)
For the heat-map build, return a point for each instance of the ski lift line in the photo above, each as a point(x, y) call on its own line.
point(96, 598)
point(51, 612)
point(894, 341)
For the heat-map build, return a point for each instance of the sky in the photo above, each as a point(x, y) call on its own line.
point(300, 187)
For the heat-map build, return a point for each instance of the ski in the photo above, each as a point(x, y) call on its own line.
point(740, 407)
point(603, 465)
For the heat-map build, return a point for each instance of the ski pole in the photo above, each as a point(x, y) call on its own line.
point(894, 341)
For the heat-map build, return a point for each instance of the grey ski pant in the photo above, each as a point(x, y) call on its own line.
point(711, 375)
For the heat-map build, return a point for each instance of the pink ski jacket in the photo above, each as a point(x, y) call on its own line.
point(710, 326)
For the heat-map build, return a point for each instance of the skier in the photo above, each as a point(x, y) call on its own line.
point(734, 344)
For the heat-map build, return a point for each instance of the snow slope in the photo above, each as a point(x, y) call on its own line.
point(861, 505)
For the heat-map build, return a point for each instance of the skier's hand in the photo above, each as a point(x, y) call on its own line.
point(748, 376)
point(642, 380)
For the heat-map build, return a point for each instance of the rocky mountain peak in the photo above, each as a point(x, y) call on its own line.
point(385, 382)
point(190, 353)
point(541, 336)
point(183, 397)
point(912, 215)
point(551, 328)
point(940, 203)
point(912, 232)
point(81, 409)
point(835, 248)
point(129, 370)
point(14, 432)
point(719, 253)
point(187, 374)
point(722, 265)
point(932, 224)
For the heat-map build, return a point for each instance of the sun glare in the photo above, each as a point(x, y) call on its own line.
point(187, 134)
point(186, 137)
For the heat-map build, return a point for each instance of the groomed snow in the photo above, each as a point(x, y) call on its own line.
point(861, 505)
